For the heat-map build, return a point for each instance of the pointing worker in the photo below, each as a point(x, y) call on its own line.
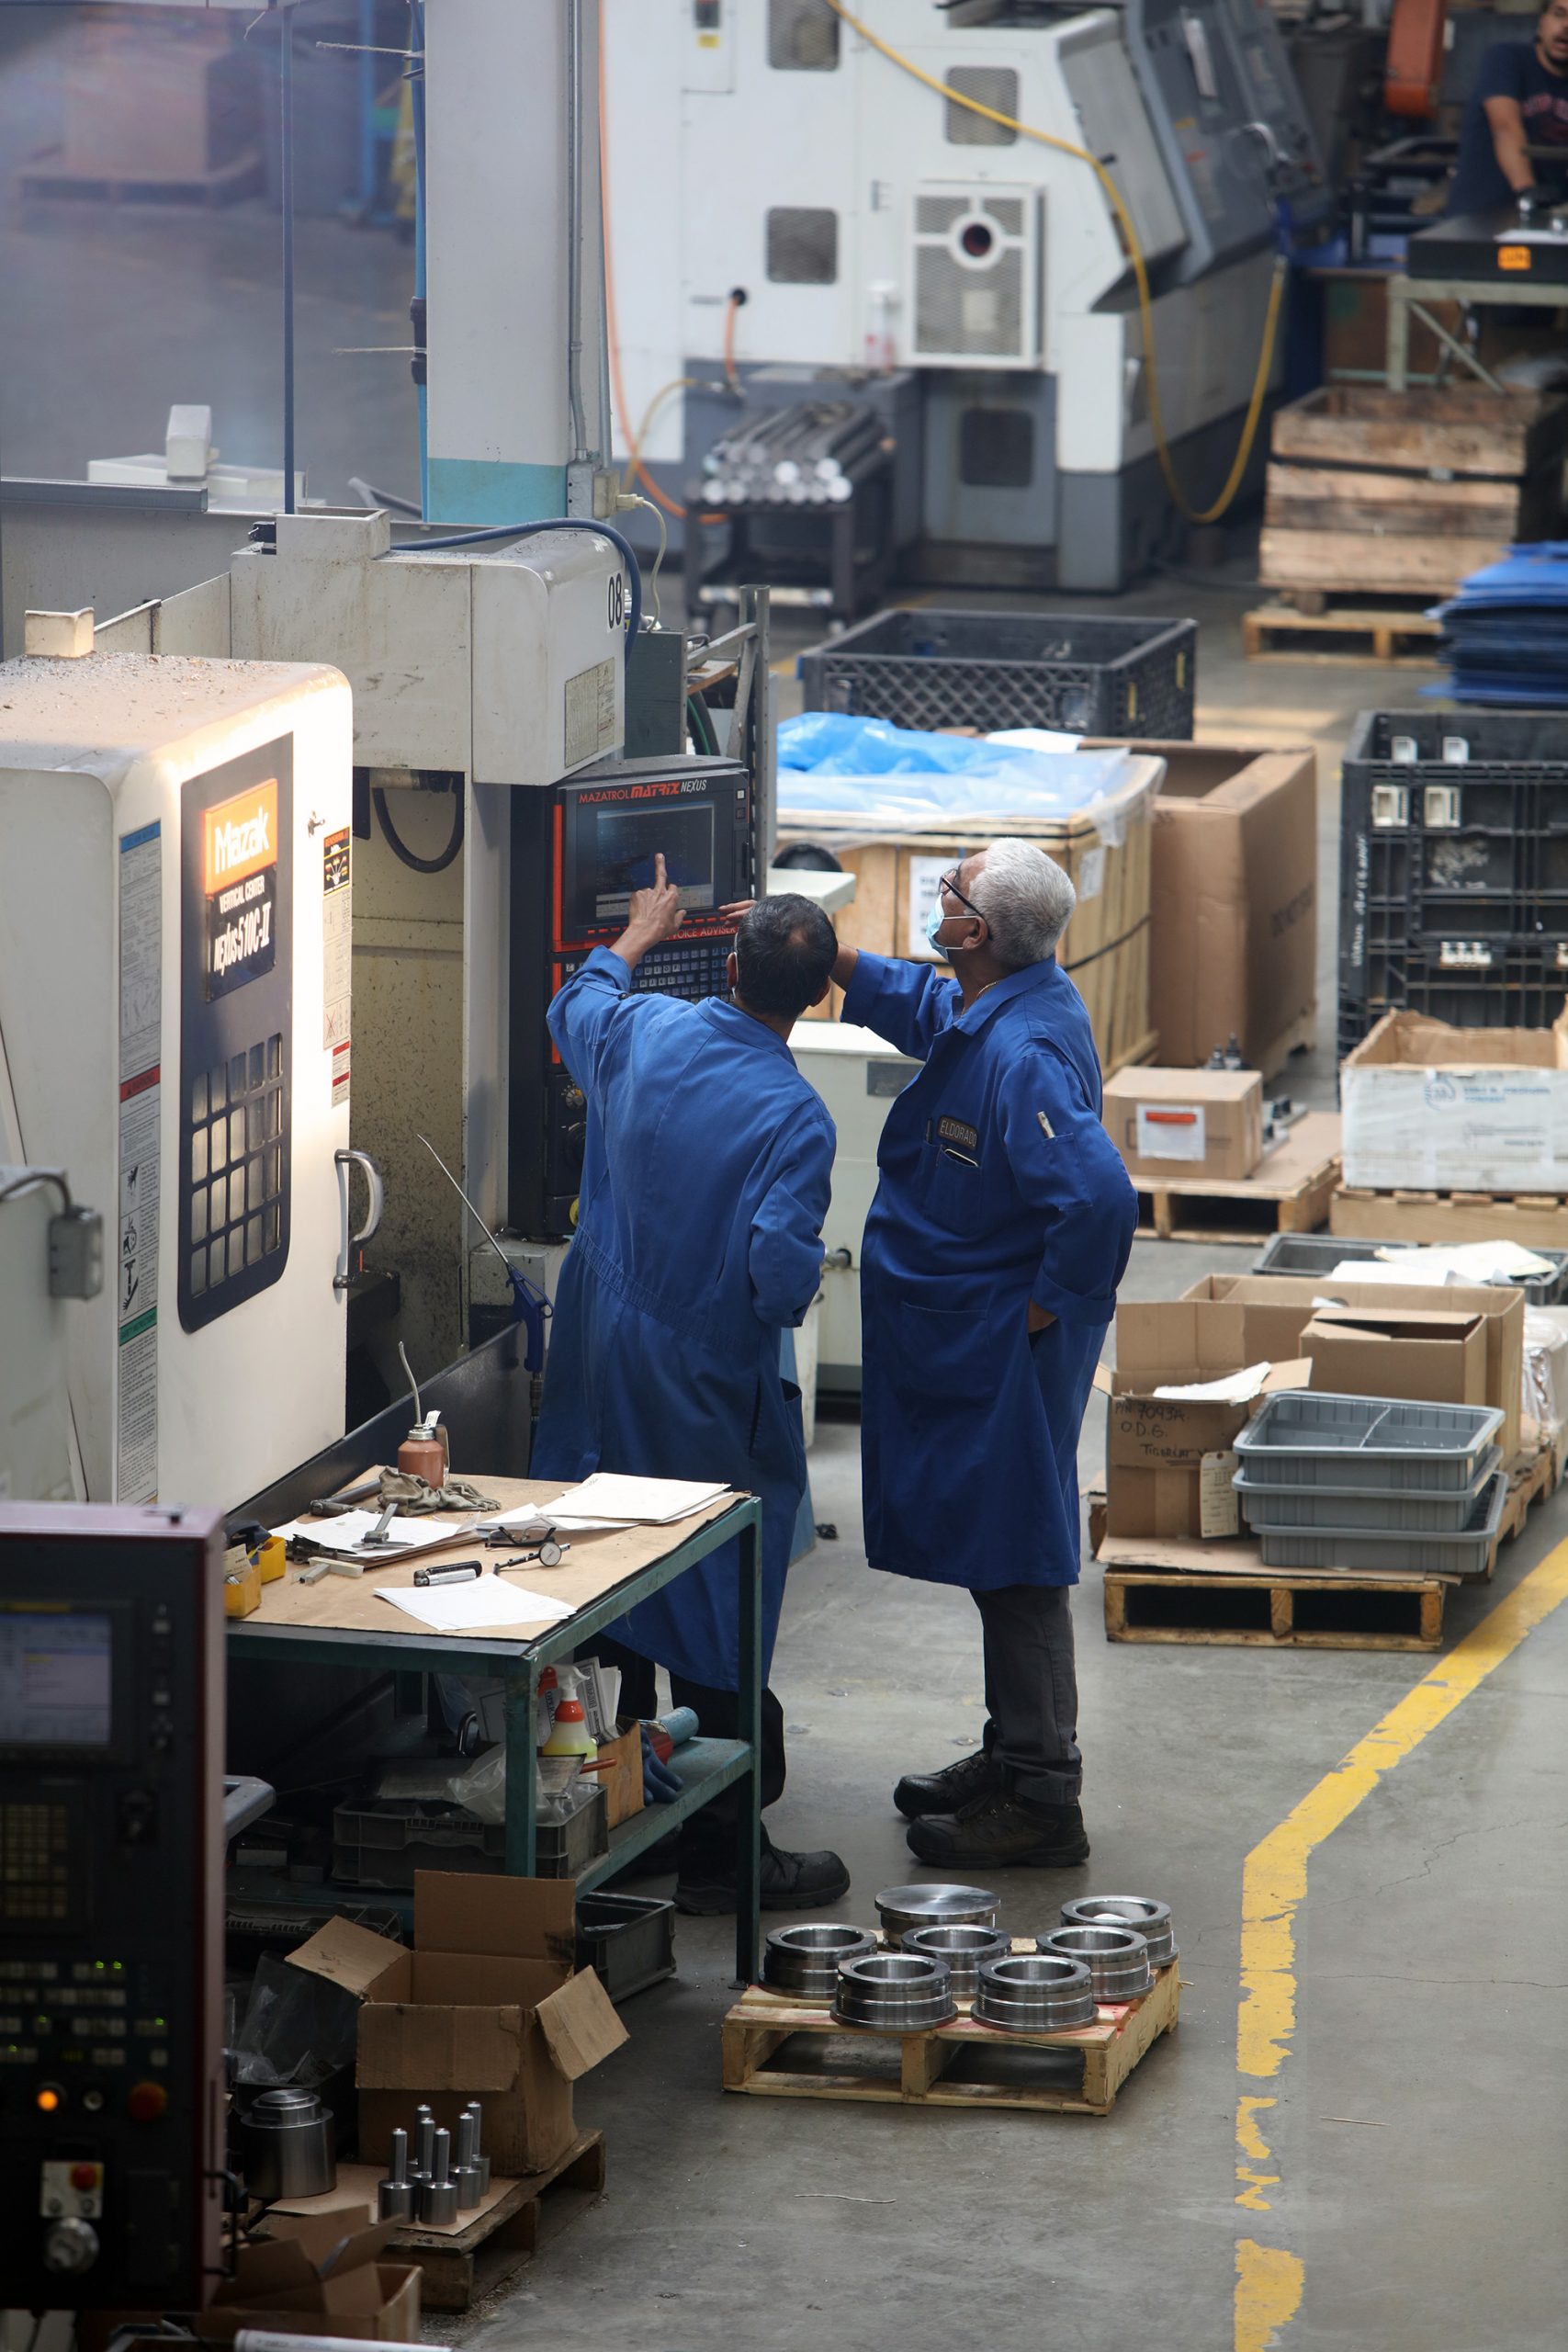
point(705, 1182)
point(1000, 1228)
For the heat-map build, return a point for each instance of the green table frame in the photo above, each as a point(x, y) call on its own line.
point(705, 1765)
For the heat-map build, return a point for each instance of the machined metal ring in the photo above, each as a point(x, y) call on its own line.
point(1034, 1992)
point(1140, 1912)
point(805, 1959)
point(902, 1909)
point(894, 1992)
point(1117, 1959)
point(963, 1948)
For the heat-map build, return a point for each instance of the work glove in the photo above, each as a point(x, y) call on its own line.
point(659, 1784)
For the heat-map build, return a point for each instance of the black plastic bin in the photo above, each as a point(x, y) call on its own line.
point(934, 669)
point(627, 1939)
point(1453, 873)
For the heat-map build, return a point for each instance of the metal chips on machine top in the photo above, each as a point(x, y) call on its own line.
point(1117, 1959)
point(895, 1991)
point(1034, 1992)
point(805, 1959)
point(1140, 1912)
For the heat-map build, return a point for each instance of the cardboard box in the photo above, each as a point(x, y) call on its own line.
point(1432, 1357)
point(1234, 901)
point(488, 2005)
point(1259, 1319)
point(1169, 1459)
point(622, 1783)
point(1186, 1123)
point(1428, 1108)
point(316, 2277)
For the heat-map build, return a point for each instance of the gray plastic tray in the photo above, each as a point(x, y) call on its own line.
point(1317, 1255)
point(1403, 1510)
point(1302, 1439)
point(1461, 1554)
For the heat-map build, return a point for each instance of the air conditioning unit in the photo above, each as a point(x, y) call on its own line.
point(976, 269)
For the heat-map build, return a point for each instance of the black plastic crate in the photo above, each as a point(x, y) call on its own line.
point(1493, 988)
point(1453, 896)
point(932, 669)
point(627, 1939)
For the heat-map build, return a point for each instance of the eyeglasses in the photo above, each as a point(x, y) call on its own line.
point(950, 882)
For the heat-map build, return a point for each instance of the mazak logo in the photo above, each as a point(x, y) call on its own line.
point(240, 836)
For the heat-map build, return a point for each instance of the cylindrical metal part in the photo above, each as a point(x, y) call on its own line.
point(465, 2172)
point(481, 2162)
point(438, 2195)
point(806, 1961)
point(1117, 1959)
point(424, 2144)
point(1140, 1912)
point(894, 1992)
point(395, 2195)
point(1034, 1992)
point(901, 1909)
point(288, 2146)
point(964, 1949)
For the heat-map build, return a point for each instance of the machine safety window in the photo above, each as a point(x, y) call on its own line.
point(803, 246)
point(236, 1165)
point(989, 85)
point(803, 37)
point(996, 448)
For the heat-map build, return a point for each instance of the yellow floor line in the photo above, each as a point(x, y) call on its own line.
point(1270, 2281)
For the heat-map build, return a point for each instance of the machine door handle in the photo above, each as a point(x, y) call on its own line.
point(349, 1242)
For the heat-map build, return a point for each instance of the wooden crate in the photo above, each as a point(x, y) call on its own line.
point(474, 2256)
point(1532, 1220)
point(1373, 632)
point(1289, 1193)
point(1384, 493)
point(1274, 1609)
point(1106, 944)
point(1103, 2054)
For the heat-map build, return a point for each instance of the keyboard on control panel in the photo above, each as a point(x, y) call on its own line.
point(692, 972)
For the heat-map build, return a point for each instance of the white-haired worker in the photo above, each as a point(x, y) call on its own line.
point(1000, 1231)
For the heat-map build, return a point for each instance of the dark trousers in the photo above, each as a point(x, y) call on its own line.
point(707, 1839)
point(1032, 1693)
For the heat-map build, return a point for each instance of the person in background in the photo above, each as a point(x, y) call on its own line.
point(706, 1179)
point(1519, 101)
point(1000, 1228)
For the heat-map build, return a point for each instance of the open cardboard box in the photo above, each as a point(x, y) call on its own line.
point(1259, 1318)
point(1430, 1108)
point(488, 2005)
point(1363, 1351)
point(1169, 1459)
point(316, 2277)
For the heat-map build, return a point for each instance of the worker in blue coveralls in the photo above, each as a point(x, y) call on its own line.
point(1000, 1231)
point(706, 1181)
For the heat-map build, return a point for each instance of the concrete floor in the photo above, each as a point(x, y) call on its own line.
point(1419, 2134)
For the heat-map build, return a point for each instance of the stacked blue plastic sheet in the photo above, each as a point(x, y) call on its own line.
point(1506, 630)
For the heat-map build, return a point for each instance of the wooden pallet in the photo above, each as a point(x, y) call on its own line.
point(1274, 1609)
point(1289, 1193)
point(1533, 1220)
point(1340, 633)
point(472, 2260)
point(41, 178)
point(1076, 2074)
point(1532, 1476)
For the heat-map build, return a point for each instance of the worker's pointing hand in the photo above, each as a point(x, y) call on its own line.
point(656, 914)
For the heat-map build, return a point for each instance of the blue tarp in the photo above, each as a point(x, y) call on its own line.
point(1506, 630)
point(830, 762)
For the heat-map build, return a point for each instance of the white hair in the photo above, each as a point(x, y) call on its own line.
point(1025, 898)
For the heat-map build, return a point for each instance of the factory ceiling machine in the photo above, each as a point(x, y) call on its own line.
point(843, 229)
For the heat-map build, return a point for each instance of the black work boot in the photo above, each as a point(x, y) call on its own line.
point(788, 1883)
point(957, 1785)
point(999, 1830)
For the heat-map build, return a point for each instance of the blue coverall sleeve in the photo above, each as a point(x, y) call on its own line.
point(786, 1228)
point(581, 1013)
point(904, 1001)
point(1066, 1167)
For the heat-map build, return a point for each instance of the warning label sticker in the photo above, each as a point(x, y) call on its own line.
point(589, 713)
point(141, 1098)
point(338, 945)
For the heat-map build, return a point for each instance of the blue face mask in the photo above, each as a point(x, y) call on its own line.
point(934, 919)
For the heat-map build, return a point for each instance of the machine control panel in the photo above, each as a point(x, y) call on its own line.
point(605, 826)
point(111, 1873)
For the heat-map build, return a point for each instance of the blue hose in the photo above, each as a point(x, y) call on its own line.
point(531, 530)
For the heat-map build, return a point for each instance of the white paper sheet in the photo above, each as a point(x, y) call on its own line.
point(1236, 1388)
point(529, 1520)
point(475, 1601)
point(608, 1498)
point(348, 1532)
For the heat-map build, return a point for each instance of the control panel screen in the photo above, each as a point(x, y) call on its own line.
point(56, 1681)
point(626, 841)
